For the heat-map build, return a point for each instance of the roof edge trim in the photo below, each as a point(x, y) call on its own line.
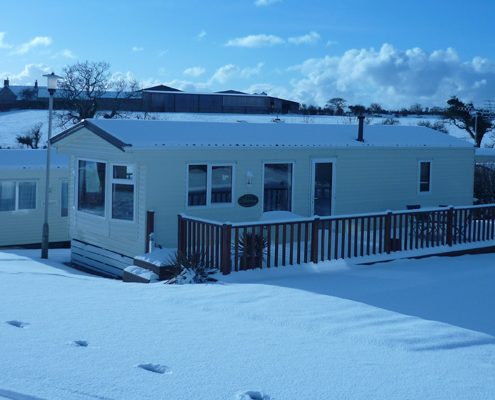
point(94, 129)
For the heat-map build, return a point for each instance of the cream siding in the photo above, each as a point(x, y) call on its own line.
point(123, 237)
point(24, 227)
point(366, 179)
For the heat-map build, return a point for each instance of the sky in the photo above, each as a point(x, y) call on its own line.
point(395, 53)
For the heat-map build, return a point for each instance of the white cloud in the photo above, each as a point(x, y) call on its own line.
point(252, 41)
point(3, 44)
point(28, 74)
point(194, 71)
point(263, 3)
point(137, 49)
point(224, 73)
point(37, 41)
point(65, 53)
point(309, 38)
point(249, 72)
point(201, 34)
point(188, 86)
point(230, 71)
point(394, 78)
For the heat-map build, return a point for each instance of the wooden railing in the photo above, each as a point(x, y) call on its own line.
point(249, 245)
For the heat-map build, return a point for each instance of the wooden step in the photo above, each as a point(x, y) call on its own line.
point(163, 272)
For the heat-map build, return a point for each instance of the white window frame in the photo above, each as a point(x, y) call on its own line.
point(113, 181)
point(419, 177)
point(291, 185)
point(76, 200)
point(209, 174)
point(16, 191)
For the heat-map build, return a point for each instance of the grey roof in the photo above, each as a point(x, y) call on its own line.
point(162, 88)
point(145, 134)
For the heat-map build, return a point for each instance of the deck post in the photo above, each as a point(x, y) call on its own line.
point(450, 225)
point(226, 244)
point(388, 234)
point(314, 239)
point(150, 228)
point(181, 235)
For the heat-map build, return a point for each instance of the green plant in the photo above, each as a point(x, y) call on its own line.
point(252, 247)
point(190, 268)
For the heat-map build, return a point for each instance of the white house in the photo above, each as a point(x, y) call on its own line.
point(22, 194)
point(121, 169)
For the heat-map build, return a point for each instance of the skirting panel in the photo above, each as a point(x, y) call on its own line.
point(98, 259)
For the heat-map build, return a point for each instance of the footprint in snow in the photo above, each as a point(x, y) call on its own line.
point(252, 395)
point(17, 324)
point(156, 368)
point(80, 343)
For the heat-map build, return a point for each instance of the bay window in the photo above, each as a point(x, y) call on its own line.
point(123, 192)
point(91, 187)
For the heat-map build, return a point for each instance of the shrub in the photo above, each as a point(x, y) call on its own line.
point(252, 247)
point(437, 125)
point(190, 269)
point(390, 121)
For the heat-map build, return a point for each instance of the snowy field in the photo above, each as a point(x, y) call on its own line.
point(422, 329)
point(13, 123)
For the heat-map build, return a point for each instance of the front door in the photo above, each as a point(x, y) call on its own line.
point(322, 188)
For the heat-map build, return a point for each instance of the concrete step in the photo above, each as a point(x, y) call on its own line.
point(137, 274)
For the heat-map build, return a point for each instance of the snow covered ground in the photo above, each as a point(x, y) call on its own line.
point(13, 123)
point(422, 329)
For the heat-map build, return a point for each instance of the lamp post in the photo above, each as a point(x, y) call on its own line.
point(52, 87)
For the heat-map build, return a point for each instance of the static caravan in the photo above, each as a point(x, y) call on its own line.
point(22, 194)
point(121, 169)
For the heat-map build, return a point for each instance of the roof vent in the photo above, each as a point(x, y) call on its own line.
point(360, 137)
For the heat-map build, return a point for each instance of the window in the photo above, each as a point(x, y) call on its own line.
point(424, 176)
point(91, 187)
point(64, 199)
point(221, 184)
point(27, 195)
point(277, 187)
point(198, 182)
point(17, 196)
point(123, 192)
point(209, 184)
point(7, 196)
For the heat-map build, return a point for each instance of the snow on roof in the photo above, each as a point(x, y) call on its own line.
point(168, 134)
point(485, 151)
point(30, 159)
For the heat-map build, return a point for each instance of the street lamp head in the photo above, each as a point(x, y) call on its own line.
point(52, 81)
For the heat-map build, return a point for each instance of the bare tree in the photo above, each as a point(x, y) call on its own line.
point(31, 139)
point(375, 108)
point(85, 85)
point(467, 118)
point(337, 104)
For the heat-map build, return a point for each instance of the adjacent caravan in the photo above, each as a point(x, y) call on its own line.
point(22, 195)
point(122, 169)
